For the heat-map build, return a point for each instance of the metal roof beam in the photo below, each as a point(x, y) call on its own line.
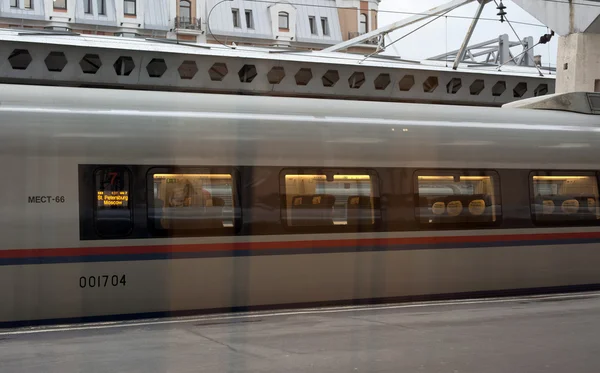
point(465, 45)
point(474, 46)
point(397, 25)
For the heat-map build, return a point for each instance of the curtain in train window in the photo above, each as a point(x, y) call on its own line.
point(564, 199)
point(113, 217)
point(330, 198)
point(192, 203)
point(455, 198)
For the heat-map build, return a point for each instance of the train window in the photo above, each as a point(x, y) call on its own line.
point(330, 198)
point(112, 215)
point(564, 198)
point(195, 202)
point(457, 198)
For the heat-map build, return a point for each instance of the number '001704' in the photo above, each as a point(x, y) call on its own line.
point(102, 281)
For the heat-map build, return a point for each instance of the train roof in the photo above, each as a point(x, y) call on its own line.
point(158, 103)
point(109, 126)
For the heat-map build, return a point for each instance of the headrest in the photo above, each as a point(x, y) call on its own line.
point(477, 206)
point(219, 202)
point(313, 200)
point(359, 201)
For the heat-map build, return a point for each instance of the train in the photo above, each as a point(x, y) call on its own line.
point(119, 204)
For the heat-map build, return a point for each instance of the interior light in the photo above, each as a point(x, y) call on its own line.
point(560, 177)
point(206, 176)
point(351, 177)
point(311, 177)
point(474, 177)
point(323, 177)
point(451, 178)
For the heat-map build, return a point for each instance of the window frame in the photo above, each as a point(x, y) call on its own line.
point(312, 25)
point(249, 17)
point(26, 3)
point(134, 8)
point(497, 183)
point(364, 22)
point(54, 6)
point(325, 26)
point(236, 196)
point(90, 10)
point(375, 184)
point(130, 202)
point(14, 3)
point(235, 17)
point(101, 7)
point(188, 9)
point(534, 218)
point(286, 16)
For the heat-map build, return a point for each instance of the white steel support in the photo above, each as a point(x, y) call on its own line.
point(71, 59)
point(397, 25)
point(577, 22)
point(504, 54)
point(465, 44)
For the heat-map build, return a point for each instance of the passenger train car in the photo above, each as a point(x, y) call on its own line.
point(121, 203)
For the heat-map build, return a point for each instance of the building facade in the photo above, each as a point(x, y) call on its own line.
point(305, 24)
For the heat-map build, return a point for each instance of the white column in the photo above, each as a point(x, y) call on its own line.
point(578, 63)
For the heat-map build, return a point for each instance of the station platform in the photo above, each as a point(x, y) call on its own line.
point(557, 333)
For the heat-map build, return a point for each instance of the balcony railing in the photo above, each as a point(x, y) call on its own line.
point(186, 23)
point(373, 41)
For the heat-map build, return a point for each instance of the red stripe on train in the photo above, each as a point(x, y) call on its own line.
point(239, 246)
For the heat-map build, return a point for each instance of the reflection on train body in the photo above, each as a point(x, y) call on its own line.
point(191, 201)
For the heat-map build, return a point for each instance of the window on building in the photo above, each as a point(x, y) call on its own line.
point(28, 4)
point(312, 22)
point(564, 198)
point(457, 198)
point(14, 3)
point(129, 7)
point(87, 6)
point(284, 20)
point(325, 25)
point(112, 213)
point(59, 4)
point(364, 24)
point(185, 11)
point(192, 202)
point(249, 19)
point(101, 7)
point(330, 198)
point(235, 13)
